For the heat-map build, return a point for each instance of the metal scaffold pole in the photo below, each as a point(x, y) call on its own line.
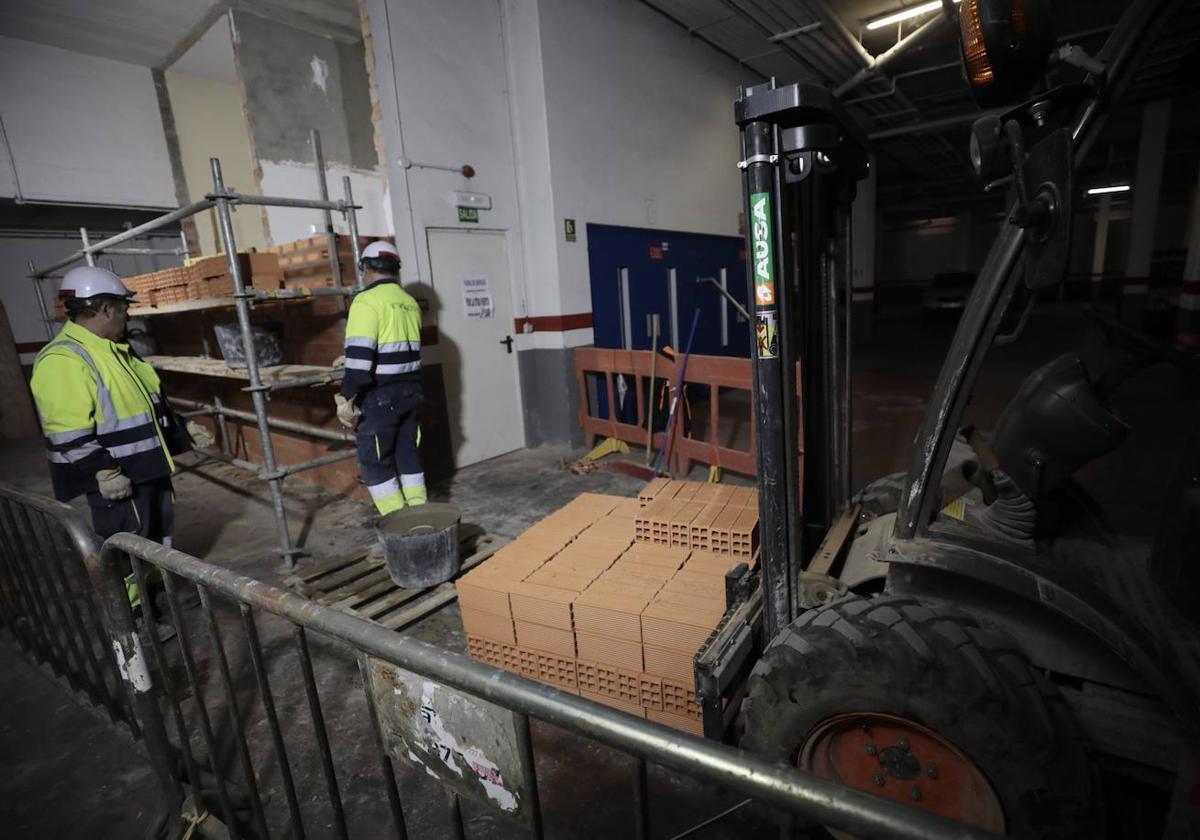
point(335, 266)
point(352, 223)
point(40, 293)
point(224, 200)
point(257, 395)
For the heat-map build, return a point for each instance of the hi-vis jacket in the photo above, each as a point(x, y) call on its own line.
point(101, 407)
point(383, 339)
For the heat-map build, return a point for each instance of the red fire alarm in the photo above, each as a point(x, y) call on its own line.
point(656, 252)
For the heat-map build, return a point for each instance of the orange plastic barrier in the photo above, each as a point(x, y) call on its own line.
point(720, 374)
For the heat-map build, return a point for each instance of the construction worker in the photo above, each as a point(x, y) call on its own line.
point(381, 390)
point(108, 431)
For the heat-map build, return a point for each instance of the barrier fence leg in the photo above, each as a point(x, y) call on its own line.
point(135, 675)
point(168, 688)
point(385, 760)
point(239, 728)
point(529, 768)
point(268, 701)
point(319, 731)
point(641, 801)
point(206, 730)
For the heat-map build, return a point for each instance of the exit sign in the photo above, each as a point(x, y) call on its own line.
point(468, 214)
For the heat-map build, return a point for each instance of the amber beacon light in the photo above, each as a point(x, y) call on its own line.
point(1005, 46)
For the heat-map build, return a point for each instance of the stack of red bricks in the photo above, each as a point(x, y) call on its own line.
point(306, 264)
point(206, 277)
point(211, 278)
point(702, 517)
point(581, 603)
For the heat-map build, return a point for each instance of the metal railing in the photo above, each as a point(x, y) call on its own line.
point(236, 726)
point(47, 599)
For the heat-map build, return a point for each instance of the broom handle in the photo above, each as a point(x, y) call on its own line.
point(675, 396)
point(653, 359)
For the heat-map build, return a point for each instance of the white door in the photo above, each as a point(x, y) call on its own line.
point(473, 303)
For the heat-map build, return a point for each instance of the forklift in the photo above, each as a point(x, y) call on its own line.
point(969, 637)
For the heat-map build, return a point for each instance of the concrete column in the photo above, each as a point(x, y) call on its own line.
point(1100, 244)
point(863, 225)
point(1188, 334)
point(1147, 187)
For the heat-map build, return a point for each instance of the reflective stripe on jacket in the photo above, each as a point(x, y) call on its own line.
point(100, 407)
point(383, 339)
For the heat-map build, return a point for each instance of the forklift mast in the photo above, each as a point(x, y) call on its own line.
point(802, 158)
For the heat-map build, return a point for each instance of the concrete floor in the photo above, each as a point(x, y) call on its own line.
point(225, 518)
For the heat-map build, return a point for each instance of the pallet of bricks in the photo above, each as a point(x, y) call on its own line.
point(611, 598)
point(210, 276)
point(305, 263)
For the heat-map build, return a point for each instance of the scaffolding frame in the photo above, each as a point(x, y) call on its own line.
point(224, 199)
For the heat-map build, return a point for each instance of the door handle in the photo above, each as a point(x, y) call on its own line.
point(507, 341)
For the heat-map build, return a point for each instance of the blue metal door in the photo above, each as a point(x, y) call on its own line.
point(637, 273)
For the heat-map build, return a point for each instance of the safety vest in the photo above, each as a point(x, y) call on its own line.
point(383, 339)
point(100, 407)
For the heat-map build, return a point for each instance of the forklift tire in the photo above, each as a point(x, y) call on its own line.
point(917, 703)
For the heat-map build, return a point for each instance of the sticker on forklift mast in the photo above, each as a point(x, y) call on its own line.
point(760, 240)
point(766, 333)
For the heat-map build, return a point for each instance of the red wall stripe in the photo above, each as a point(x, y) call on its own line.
point(554, 323)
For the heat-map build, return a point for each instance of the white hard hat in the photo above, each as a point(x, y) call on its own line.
point(88, 281)
point(380, 248)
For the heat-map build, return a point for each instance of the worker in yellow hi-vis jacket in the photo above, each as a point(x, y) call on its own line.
point(381, 391)
point(108, 431)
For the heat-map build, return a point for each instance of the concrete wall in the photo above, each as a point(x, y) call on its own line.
point(440, 70)
point(210, 122)
point(641, 129)
point(82, 128)
point(295, 81)
point(529, 92)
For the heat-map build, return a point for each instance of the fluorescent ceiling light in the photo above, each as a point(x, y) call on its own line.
point(906, 13)
point(1114, 188)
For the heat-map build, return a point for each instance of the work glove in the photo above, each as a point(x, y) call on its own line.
point(339, 362)
point(347, 412)
point(114, 485)
point(201, 437)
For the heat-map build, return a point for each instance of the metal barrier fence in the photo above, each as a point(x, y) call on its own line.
point(242, 726)
point(47, 599)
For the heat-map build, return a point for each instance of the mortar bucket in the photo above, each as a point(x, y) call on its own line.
point(420, 544)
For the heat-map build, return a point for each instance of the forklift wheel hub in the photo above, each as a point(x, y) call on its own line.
point(902, 760)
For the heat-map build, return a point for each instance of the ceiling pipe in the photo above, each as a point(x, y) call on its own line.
point(931, 125)
point(832, 21)
point(847, 41)
point(766, 32)
point(12, 164)
point(923, 33)
point(694, 32)
point(792, 33)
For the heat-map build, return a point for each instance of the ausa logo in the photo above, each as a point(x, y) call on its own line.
point(760, 235)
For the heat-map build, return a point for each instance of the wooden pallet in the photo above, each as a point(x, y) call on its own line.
point(364, 589)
